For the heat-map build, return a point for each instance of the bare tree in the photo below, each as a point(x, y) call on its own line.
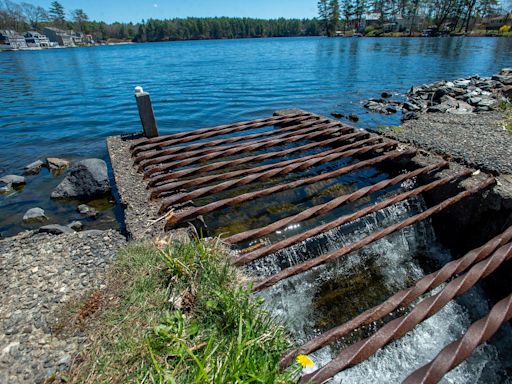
point(34, 14)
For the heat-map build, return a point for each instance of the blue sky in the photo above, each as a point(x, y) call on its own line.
point(135, 10)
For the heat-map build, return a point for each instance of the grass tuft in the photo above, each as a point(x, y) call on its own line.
point(181, 314)
point(506, 108)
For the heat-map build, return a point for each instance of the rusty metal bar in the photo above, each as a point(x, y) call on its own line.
point(204, 133)
point(402, 298)
point(276, 170)
point(264, 156)
point(242, 148)
point(267, 250)
point(330, 205)
point(141, 155)
point(159, 157)
point(169, 187)
point(397, 328)
point(459, 350)
point(196, 211)
point(331, 256)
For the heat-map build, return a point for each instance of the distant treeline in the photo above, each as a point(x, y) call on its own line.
point(25, 16)
point(218, 28)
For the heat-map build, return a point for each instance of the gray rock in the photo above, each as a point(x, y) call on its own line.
point(34, 215)
point(54, 163)
point(410, 116)
point(411, 107)
point(76, 225)
point(386, 95)
point(353, 117)
point(86, 179)
point(6, 188)
point(14, 180)
point(507, 80)
point(506, 72)
point(85, 210)
point(487, 102)
point(33, 168)
point(55, 229)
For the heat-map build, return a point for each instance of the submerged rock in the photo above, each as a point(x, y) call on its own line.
point(86, 179)
point(86, 210)
point(33, 168)
point(56, 164)
point(353, 117)
point(337, 115)
point(76, 225)
point(13, 180)
point(34, 215)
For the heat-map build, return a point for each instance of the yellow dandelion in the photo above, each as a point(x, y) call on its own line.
point(305, 361)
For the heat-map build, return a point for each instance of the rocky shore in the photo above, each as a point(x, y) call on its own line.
point(474, 94)
point(43, 275)
point(467, 120)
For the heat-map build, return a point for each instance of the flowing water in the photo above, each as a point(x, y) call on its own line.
point(65, 102)
point(329, 295)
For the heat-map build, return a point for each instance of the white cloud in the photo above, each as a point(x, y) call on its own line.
point(155, 5)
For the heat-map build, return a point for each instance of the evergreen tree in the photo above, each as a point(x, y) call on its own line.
point(348, 12)
point(334, 17)
point(56, 13)
point(323, 13)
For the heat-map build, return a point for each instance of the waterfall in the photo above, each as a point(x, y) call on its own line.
point(328, 295)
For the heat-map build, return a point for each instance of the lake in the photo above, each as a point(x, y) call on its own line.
point(65, 102)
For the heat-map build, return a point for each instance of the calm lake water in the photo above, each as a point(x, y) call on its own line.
point(64, 103)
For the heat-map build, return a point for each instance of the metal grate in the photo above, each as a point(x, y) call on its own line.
point(186, 166)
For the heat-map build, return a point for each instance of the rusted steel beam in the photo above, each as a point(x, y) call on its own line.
point(402, 298)
point(459, 350)
point(196, 211)
point(142, 155)
point(156, 180)
point(276, 170)
point(330, 205)
point(204, 133)
point(331, 256)
point(328, 129)
point(397, 328)
point(269, 249)
point(169, 187)
point(168, 155)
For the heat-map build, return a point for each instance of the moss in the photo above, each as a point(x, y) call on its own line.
point(393, 128)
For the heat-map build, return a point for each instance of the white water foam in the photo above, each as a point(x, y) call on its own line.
point(293, 299)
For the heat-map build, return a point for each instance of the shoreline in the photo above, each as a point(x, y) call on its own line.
point(394, 36)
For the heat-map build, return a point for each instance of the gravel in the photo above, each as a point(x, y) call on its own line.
point(476, 140)
point(41, 275)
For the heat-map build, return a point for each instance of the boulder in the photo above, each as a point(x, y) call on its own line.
point(56, 164)
point(386, 95)
point(34, 215)
point(506, 72)
point(76, 225)
point(33, 168)
point(85, 210)
point(13, 180)
point(506, 91)
point(411, 107)
point(353, 117)
point(55, 229)
point(337, 115)
point(507, 80)
point(86, 179)
point(410, 116)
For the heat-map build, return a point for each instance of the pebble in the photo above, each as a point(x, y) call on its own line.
point(39, 277)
